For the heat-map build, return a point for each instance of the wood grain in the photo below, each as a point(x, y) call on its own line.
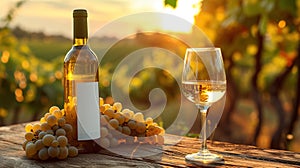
point(171, 154)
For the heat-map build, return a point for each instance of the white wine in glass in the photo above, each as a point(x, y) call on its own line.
point(203, 83)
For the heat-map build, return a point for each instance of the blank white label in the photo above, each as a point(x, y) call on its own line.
point(88, 115)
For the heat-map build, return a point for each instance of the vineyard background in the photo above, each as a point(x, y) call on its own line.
point(260, 44)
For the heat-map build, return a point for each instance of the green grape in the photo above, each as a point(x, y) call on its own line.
point(46, 116)
point(45, 126)
point(60, 132)
point(149, 120)
point(104, 119)
point(114, 142)
point(126, 130)
point(30, 149)
point(104, 142)
point(117, 106)
point(139, 117)
point(57, 114)
point(39, 144)
point(120, 118)
point(53, 109)
point(114, 123)
point(61, 122)
point(132, 124)
point(54, 143)
point(51, 132)
point(51, 120)
point(29, 136)
point(120, 129)
point(28, 127)
point(73, 151)
point(109, 112)
point(47, 139)
point(62, 140)
point(126, 116)
point(24, 144)
point(63, 152)
point(43, 120)
point(55, 127)
point(53, 151)
point(36, 127)
point(43, 154)
point(140, 127)
point(68, 128)
point(103, 131)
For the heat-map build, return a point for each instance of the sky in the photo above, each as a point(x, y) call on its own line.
point(54, 17)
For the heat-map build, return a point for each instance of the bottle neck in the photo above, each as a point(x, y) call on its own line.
point(79, 41)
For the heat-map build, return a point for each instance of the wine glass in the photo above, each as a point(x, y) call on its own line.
point(203, 83)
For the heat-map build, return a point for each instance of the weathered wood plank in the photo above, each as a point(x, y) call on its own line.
point(170, 155)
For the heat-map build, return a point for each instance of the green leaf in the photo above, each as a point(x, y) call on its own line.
point(172, 3)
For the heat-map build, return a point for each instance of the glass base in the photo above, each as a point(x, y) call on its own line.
point(204, 157)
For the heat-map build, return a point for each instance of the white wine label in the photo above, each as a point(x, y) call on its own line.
point(88, 115)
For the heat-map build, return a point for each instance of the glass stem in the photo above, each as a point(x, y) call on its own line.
point(203, 113)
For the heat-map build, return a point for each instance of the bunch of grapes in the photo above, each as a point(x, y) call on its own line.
point(48, 138)
point(124, 126)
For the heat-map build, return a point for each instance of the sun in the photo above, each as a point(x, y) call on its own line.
point(185, 9)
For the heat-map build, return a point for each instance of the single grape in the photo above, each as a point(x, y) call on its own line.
point(126, 130)
point(149, 120)
point(104, 142)
point(140, 127)
point(47, 139)
point(126, 116)
point(30, 149)
point(28, 127)
point(119, 117)
point(114, 142)
point(139, 117)
point(104, 119)
point(132, 124)
point(104, 107)
point(68, 128)
point(61, 122)
point(39, 144)
point(43, 120)
point(60, 132)
point(117, 106)
point(109, 112)
point(54, 143)
point(62, 140)
point(53, 151)
point(73, 151)
point(45, 126)
point(103, 131)
point(55, 127)
point(46, 115)
point(51, 132)
point(43, 154)
point(24, 144)
point(114, 123)
point(63, 152)
point(29, 136)
point(53, 108)
point(57, 114)
point(51, 120)
point(36, 127)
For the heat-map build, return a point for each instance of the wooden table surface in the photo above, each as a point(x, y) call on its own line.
point(169, 155)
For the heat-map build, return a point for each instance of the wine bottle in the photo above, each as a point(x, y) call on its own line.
point(81, 95)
